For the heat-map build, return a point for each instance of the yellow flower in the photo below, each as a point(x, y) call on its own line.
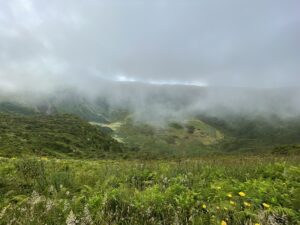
point(247, 204)
point(204, 206)
point(256, 224)
point(223, 222)
point(242, 194)
point(266, 205)
point(232, 202)
point(229, 195)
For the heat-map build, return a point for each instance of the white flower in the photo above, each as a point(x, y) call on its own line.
point(71, 219)
point(66, 205)
point(87, 218)
point(35, 198)
point(49, 205)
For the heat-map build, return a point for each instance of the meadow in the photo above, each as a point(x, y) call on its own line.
point(213, 190)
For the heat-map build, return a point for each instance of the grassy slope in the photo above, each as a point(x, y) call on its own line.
point(199, 191)
point(256, 134)
point(203, 135)
point(57, 135)
point(84, 111)
point(193, 137)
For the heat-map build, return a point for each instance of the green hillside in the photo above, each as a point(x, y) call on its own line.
point(204, 134)
point(15, 108)
point(190, 138)
point(85, 111)
point(256, 134)
point(57, 135)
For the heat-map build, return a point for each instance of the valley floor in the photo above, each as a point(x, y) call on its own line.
point(213, 190)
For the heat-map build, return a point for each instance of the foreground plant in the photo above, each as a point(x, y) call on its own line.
point(215, 191)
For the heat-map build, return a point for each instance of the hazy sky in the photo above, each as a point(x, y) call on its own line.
point(227, 43)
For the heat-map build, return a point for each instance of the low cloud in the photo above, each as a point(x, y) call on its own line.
point(163, 49)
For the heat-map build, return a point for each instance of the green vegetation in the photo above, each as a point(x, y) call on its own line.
point(57, 135)
point(256, 133)
point(213, 190)
point(83, 110)
point(59, 169)
point(191, 138)
point(14, 108)
point(198, 136)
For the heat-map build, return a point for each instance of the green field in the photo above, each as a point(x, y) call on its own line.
point(208, 190)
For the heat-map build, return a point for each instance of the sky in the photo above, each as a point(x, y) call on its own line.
point(205, 43)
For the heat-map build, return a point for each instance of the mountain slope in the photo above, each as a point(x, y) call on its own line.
point(256, 133)
point(192, 137)
point(57, 135)
point(15, 108)
point(223, 131)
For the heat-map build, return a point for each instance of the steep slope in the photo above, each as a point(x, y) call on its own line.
point(57, 135)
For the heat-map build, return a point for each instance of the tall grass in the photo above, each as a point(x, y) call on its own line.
point(214, 190)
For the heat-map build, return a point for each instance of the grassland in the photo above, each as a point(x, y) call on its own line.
point(208, 190)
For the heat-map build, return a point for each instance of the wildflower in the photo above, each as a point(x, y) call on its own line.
point(204, 206)
point(223, 222)
point(256, 224)
point(247, 204)
point(232, 203)
point(49, 204)
point(66, 205)
point(35, 198)
point(87, 219)
point(266, 205)
point(229, 195)
point(71, 219)
point(242, 194)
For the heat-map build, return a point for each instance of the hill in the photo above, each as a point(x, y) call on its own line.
point(15, 108)
point(189, 138)
point(256, 133)
point(55, 135)
point(154, 130)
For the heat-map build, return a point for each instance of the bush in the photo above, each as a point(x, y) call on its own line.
point(32, 170)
